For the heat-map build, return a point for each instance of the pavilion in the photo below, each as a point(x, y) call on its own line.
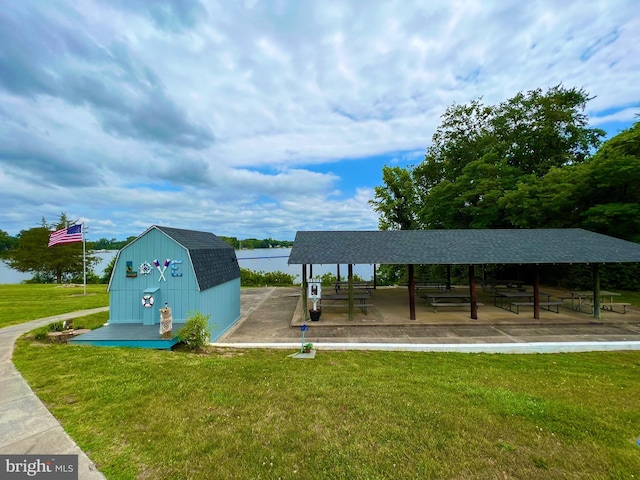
point(471, 247)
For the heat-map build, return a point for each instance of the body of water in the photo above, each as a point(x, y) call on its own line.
point(258, 260)
point(275, 260)
point(9, 275)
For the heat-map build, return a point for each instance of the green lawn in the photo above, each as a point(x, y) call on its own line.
point(24, 302)
point(358, 415)
point(628, 296)
point(362, 415)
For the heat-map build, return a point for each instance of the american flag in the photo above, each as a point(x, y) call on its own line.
point(66, 235)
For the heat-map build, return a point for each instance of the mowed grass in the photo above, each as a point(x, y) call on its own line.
point(24, 302)
point(631, 297)
point(240, 414)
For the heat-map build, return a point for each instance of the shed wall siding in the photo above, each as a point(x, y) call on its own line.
point(180, 292)
point(223, 302)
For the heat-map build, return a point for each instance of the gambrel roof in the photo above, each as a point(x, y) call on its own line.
point(465, 247)
point(214, 260)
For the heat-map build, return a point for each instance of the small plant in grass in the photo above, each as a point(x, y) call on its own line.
point(56, 327)
point(196, 332)
point(306, 348)
point(41, 333)
point(540, 462)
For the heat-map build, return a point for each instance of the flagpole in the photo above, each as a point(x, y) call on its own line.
point(84, 260)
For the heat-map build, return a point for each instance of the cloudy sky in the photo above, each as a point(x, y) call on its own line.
point(259, 118)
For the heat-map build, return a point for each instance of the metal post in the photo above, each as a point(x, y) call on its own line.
point(304, 292)
point(84, 258)
point(303, 328)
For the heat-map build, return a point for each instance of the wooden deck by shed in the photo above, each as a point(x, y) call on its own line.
point(129, 335)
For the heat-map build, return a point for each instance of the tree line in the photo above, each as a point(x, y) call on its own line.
point(253, 243)
point(531, 161)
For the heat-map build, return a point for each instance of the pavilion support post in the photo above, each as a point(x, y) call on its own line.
point(375, 278)
point(448, 284)
point(536, 293)
point(596, 291)
point(472, 293)
point(304, 293)
point(310, 270)
point(350, 280)
point(412, 294)
point(338, 272)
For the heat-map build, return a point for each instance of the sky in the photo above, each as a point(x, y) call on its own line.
point(255, 118)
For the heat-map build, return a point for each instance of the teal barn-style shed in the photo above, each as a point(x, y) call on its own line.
point(185, 270)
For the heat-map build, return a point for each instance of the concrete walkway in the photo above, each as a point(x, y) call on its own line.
point(26, 426)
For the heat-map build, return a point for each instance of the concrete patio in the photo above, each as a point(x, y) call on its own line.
point(273, 316)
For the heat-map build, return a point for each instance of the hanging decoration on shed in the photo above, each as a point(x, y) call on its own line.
point(147, 301)
point(175, 268)
point(167, 262)
point(131, 273)
point(145, 268)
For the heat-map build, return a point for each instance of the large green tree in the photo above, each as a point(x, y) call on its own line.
point(600, 194)
point(480, 153)
point(397, 201)
point(57, 263)
point(611, 187)
point(7, 242)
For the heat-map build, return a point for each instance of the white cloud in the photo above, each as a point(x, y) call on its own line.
point(228, 116)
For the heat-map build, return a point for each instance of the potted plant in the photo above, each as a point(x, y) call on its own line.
point(306, 348)
point(314, 314)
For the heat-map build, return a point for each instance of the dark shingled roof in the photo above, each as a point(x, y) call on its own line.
point(214, 260)
point(467, 247)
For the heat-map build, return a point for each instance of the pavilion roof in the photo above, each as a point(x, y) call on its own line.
point(466, 247)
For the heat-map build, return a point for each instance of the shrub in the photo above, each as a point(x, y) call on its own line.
point(56, 327)
point(329, 278)
point(196, 332)
point(249, 278)
point(41, 333)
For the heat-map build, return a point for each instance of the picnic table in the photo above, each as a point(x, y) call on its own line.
point(508, 285)
point(440, 286)
point(342, 285)
point(448, 299)
point(337, 299)
point(523, 299)
point(583, 299)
